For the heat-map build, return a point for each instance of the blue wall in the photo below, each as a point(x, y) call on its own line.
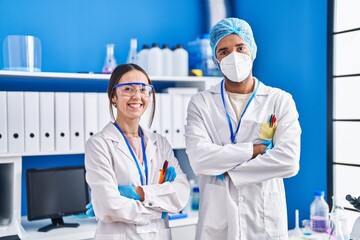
point(291, 39)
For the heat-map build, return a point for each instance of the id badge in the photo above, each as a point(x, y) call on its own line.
point(148, 228)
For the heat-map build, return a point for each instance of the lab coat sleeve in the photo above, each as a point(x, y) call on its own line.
point(283, 160)
point(204, 153)
point(109, 205)
point(172, 196)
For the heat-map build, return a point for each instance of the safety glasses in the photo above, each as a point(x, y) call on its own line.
point(130, 88)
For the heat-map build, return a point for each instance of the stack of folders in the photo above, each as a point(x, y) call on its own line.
point(170, 114)
point(32, 122)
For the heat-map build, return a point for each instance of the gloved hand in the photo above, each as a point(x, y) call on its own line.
point(90, 210)
point(170, 174)
point(268, 143)
point(221, 177)
point(163, 215)
point(169, 177)
point(129, 192)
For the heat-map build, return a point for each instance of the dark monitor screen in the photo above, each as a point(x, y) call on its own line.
point(56, 192)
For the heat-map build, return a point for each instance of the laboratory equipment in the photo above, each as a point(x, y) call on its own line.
point(155, 61)
point(132, 55)
point(195, 198)
point(319, 213)
point(143, 57)
point(337, 227)
point(167, 60)
point(180, 61)
point(22, 53)
point(54, 193)
point(110, 61)
point(296, 232)
point(355, 232)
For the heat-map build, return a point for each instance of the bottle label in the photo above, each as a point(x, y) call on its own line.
point(319, 224)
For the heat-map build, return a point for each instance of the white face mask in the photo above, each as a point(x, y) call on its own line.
point(236, 66)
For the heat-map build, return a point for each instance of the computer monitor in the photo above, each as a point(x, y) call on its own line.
point(54, 193)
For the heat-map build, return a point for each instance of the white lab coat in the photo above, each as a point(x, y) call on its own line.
point(250, 202)
point(109, 164)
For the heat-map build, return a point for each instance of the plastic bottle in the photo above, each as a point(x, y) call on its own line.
point(319, 213)
point(143, 56)
point(110, 61)
point(180, 61)
point(155, 60)
point(195, 198)
point(207, 64)
point(167, 60)
point(132, 55)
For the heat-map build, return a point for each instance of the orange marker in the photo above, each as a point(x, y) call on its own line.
point(162, 172)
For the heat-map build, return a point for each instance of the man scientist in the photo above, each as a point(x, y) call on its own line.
point(242, 139)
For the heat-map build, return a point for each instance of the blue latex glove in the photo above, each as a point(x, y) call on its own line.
point(169, 177)
point(220, 177)
point(268, 143)
point(163, 215)
point(129, 192)
point(90, 210)
point(170, 174)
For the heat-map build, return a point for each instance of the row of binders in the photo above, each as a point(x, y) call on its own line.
point(170, 114)
point(33, 122)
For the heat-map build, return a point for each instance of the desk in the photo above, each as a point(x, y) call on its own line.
point(86, 230)
point(183, 228)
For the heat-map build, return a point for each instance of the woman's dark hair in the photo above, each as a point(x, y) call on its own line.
point(116, 75)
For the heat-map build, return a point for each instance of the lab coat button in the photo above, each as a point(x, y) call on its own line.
point(150, 204)
point(241, 199)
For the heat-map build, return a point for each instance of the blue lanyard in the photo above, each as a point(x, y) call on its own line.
point(232, 133)
point(134, 156)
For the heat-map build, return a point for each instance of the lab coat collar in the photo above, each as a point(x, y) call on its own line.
point(216, 89)
point(110, 132)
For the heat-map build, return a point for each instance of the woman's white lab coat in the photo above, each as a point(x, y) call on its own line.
point(250, 202)
point(109, 164)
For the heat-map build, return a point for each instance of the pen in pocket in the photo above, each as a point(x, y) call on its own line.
point(162, 172)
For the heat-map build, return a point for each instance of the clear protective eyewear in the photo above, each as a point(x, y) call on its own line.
point(130, 88)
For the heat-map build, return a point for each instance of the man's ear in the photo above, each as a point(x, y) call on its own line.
point(217, 64)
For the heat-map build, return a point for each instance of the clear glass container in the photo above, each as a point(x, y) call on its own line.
point(110, 61)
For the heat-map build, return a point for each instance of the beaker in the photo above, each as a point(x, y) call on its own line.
point(22, 53)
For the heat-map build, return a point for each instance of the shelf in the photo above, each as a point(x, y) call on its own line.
point(98, 76)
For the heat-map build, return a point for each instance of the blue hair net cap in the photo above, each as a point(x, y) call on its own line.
point(229, 26)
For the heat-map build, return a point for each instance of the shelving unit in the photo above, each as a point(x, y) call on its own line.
point(201, 83)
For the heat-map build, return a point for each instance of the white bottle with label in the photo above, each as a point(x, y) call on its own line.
point(319, 213)
point(180, 61)
point(155, 61)
point(143, 57)
point(167, 60)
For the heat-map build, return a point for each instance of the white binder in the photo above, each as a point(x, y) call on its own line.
point(177, 121)
point(77, 136)
point(47, 122)
point(91, 114)
point(103, 110)
point(165, 116)
point(180, 98)
point(62, 121)
point(156, 124)
point(32, 121)
point(3, 123)
point(15, 117)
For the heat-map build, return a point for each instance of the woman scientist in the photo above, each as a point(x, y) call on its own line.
point(130, 196)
